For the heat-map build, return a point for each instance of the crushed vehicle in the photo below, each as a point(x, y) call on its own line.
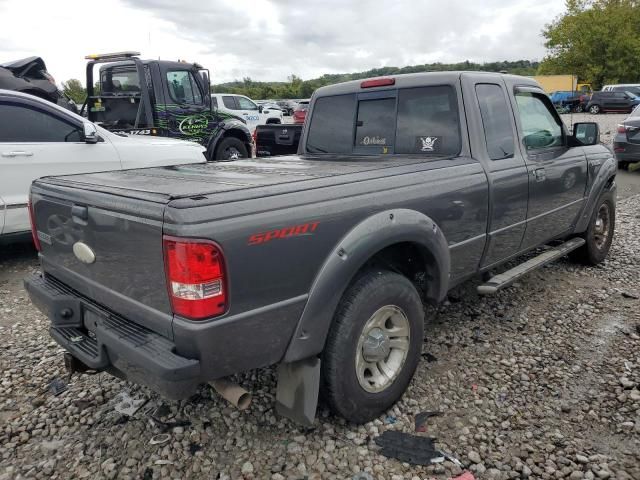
point(321, 263)
point(30, 75)
point(162, 98)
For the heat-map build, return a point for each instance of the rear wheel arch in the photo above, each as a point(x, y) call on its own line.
point(404, 241)
point(234, 132)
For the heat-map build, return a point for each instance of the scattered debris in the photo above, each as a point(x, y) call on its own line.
point(160, 439)
point(390, 419)
point(126, 405)
point(408, 448)
point(421, 420)
point(166, 426)
point(194, 447)
point(429, 357)
point(630, 295)
point(465, 476)
point(451, 458)
point(163, 462)
point(57, 386)
point(37, 402)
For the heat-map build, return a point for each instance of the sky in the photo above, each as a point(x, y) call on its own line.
point(271, 39)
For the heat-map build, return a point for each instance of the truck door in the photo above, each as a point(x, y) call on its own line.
point(247, 110)
point(493, 136)
point(557, 173)
point(186, 111)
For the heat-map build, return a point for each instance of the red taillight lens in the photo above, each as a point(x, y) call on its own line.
point(378, 82)
point(34, 230)
point(195, 277)
point(622, 129)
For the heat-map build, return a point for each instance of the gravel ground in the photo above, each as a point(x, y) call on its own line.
point(539, 381)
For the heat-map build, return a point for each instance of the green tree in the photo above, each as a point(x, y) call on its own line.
point(598, 40)
point(74, 90)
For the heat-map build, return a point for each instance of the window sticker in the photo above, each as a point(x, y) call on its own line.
point(429, 143)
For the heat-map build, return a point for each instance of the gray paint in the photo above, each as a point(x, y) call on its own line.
point(466, 214)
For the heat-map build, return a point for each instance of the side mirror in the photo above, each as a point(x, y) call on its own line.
point(260, 108)
point(90, 133)
point(586, 133)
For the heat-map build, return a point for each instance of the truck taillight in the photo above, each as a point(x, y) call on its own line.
point(195, 277)
point(34, 230)
point(622, 128)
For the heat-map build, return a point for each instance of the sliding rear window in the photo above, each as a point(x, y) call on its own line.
point(420, 121)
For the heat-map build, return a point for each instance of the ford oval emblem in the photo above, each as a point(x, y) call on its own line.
point(83, 252)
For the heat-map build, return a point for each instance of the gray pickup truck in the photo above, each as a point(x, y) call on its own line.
point(320, 263)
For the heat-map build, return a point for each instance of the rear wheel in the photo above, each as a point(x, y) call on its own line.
point(599, 234)
point(579, 109)
point(374, 345)
point(230, 148)
point(594, 109)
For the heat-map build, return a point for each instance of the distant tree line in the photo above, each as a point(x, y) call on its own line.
point(295, 87)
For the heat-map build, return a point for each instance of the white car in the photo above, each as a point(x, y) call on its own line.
point(38, 138)
point(245, 108)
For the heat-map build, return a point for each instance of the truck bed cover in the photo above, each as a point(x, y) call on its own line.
point(164, 184)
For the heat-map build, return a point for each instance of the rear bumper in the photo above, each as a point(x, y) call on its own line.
point(625, 151)
point(105, 341)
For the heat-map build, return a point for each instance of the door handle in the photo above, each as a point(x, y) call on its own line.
point(540, 174)
point(595, 163)
point(17, 154)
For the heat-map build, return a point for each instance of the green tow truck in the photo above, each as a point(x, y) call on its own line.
point(158, 97)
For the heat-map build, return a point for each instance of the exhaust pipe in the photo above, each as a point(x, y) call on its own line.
point(232, 393)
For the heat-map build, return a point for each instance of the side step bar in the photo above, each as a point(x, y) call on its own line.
point(507, 278)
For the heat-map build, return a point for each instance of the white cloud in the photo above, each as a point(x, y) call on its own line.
point(270, 39)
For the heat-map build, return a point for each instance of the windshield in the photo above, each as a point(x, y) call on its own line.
point(422, 121)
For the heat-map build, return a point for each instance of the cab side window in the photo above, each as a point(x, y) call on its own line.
point(229, 102)
point(183, 87)
point(496, 120)
point(246, 104)
point(541, 128)
point(22, 123)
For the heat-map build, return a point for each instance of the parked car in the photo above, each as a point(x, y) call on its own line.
point(632, 88)
point(611, 101)
point(300, 112)
point(288, 106)
point(626, 143)
point(38, 138)
point(245, 108)
point(404, 187)
point(174, 101)
point(30, 75)
point(274, 140)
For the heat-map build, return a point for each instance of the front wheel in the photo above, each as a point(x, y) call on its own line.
point(230, 148)
point(599, 234)
point(374, 345)
point(594, 109)
point(579, 109)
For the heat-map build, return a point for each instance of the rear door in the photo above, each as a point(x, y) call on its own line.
point(38, 141)
point(557, 173)
point(249, 112)
point(495, 145)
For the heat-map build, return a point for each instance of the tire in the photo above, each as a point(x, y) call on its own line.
point(230, 148)
point(377, 297)
point(578, 109)
point(594, 109)
point(598, 237)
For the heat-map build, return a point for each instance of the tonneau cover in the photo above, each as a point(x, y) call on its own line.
point(163, 184)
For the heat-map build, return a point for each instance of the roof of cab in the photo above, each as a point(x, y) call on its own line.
point(409, 80)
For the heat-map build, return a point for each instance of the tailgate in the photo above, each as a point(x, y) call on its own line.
point(277, 139)
point(107, 248)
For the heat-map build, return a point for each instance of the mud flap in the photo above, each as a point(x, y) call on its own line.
point(297, 392)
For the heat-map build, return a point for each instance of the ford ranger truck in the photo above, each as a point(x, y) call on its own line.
point(320, 263)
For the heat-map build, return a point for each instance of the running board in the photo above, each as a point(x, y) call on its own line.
point(507, 278)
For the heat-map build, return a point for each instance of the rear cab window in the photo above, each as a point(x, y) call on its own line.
point(408, 121)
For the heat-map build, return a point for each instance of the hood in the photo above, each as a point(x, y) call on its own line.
point(123, 138)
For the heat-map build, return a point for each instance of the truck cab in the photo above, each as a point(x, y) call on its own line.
point(162, 98)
